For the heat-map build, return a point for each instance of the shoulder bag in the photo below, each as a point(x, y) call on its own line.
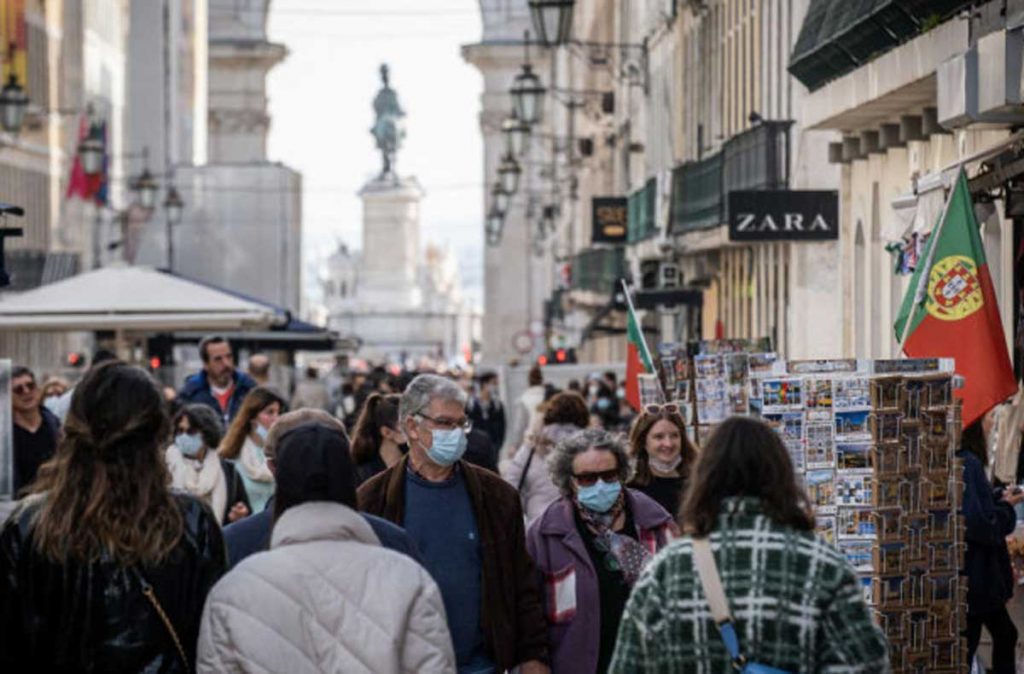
point(712, 584)
point(147, 590)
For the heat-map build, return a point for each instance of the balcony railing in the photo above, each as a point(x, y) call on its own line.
point(697, 195)
point(598, 269)
point(642, 221)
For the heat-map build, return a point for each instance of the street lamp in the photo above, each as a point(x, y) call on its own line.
point(527, 95)
point(517, 133)
point(147, 188)
point(508, 175)
point(91, 151)
point(493, 226)
point(500, 198)
point(552, 20)
point(174, 205)
point(13, 101)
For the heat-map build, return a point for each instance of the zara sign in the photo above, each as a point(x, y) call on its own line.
point(783, 215)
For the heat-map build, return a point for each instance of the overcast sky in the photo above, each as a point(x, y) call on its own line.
point(321, 107)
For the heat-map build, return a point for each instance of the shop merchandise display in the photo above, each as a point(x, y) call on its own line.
point(875, 443)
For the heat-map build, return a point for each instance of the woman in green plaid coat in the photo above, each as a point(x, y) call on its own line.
point(795, 601)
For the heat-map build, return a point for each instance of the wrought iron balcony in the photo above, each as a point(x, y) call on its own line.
point(642, 221)
point(598, 269)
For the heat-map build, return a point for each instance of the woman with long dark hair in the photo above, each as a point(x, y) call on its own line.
point(662, 455)
point(243, 443)
point(795, 602)
point(102, 568)
point(377, 444)
point(989, 518)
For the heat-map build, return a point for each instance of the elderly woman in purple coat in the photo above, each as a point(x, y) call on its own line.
point(590, 546)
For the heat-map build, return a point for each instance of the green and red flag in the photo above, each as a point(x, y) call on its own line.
point(950, 309)
point(638, 358)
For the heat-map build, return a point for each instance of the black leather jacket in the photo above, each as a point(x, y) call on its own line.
point(94, 618)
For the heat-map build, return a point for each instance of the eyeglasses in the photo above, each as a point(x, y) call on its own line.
point(588, 479)
point(449, 424)
point(666, 408)
point(22, 389)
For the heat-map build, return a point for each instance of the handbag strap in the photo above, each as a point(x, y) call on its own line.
point(712, 584)
point(526, 469)
point(150, 594)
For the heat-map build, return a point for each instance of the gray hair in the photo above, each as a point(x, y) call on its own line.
point(561, 457)
point(423, 390)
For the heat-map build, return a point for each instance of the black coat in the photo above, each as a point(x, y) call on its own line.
point(988, 521)
point(236, 489)
point(75, 617)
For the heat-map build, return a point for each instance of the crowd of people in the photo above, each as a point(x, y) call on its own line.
point(373, 524)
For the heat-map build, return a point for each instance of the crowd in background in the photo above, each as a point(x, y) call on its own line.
point(385, 520)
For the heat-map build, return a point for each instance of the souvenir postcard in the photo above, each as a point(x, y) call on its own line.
point(737, 367)
point(853, 455)
point(858, 553)
point(852, 425)
point(821, 489)
point(712, 389)
point(820, 445)
point(708, 366)
point(855, 523)
point(650, 390)
point(853, 490)
point(682, 390)
point(797, 455)
point(738, 400)
point(818, 394)
point(851, 393)
point(762, 363)
point(781, 394)
point(825, 526)
point(712, 411)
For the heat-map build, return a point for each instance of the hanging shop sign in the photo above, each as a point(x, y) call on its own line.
point(610, 217)
point(783, 215)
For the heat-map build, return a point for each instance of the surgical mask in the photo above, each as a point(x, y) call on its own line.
point(262, 432)
point(188, 445)
point(664, 466)
point(603, 403)
point(447, 447)
point(600, 496)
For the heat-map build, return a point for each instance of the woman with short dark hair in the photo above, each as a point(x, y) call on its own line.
point(590, 546)
point(197, 469)
point(102, 567)
point(796, 603)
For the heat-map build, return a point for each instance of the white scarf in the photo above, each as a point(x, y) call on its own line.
point(254, 462)
point(205, 481)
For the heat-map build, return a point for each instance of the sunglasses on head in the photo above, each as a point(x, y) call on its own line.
point(666, 408)
point(588, 479)
point(22, 389)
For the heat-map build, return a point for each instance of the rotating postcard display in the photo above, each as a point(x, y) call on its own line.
point(875, 443)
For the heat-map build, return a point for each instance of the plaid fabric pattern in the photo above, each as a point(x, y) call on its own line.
point(796, 603)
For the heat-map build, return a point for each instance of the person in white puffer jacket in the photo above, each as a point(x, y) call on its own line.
point(326, 597)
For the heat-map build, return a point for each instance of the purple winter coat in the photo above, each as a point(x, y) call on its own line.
point(571, 602)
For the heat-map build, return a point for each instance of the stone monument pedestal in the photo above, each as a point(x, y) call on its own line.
point(389, 274)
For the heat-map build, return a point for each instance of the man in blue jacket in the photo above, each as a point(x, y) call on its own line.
point(252, 534)
point(218, 385)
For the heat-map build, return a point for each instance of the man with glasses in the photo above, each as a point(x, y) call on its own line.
point(36, 429)
point(468, 525)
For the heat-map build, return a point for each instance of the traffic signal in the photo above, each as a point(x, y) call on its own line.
point(154, 363)
point(542, 360)
point(76, 359)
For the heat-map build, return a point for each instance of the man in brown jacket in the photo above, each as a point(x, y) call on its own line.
point(468, 525)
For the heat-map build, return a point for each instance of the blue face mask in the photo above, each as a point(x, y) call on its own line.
point(603, 403)
point(188, 445)
point(447, 447)
point(600, 496)
point(262, 432)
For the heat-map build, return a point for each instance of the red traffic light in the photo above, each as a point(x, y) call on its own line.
point(76, 359)
point(560, 355)
point(154, 363)
point(542, 360)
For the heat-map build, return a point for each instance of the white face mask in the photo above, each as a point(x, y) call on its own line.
point(664, 466)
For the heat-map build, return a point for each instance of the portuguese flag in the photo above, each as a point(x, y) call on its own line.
point(950, 309)
point(638, 358)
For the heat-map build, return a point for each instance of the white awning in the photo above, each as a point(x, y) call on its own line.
point(131, 298)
